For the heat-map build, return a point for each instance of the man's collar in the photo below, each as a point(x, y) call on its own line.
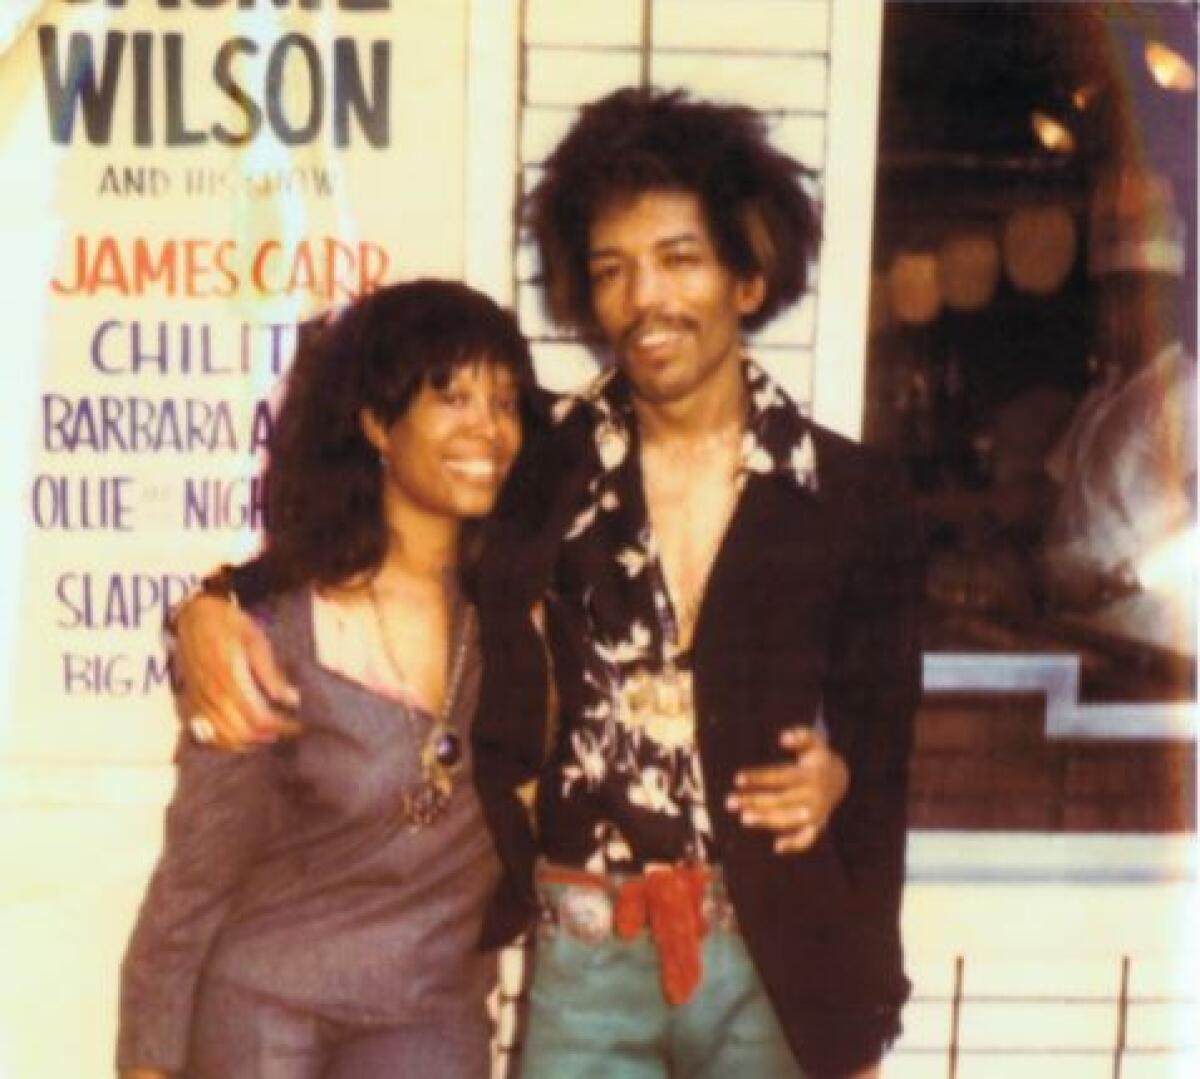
point(777, 442)
point(778, 439)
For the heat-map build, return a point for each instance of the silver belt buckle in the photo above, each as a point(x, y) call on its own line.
point(585, 913)
point(717, 913)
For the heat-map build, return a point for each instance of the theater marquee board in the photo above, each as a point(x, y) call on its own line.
point(183, 182)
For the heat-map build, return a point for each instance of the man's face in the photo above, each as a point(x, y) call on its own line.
point(668, 308)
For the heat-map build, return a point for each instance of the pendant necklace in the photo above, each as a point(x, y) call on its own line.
point(663, 703)
point(426, 801)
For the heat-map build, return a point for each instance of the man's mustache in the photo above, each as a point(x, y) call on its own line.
point(649, 323)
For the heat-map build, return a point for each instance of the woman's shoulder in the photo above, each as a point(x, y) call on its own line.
point(286, 618)
point(281, 606)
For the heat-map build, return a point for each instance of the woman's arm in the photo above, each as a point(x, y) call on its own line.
point(793, 800)
point(216, 823)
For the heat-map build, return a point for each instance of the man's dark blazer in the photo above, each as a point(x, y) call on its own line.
point(812, 609)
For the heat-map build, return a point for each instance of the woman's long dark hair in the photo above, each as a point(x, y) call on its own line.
point(324, 521)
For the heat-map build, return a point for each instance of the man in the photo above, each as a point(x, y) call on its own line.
point(705, 581)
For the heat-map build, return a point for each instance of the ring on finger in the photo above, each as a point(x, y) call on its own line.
point(202, 729)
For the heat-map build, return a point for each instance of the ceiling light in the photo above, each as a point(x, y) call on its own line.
point(1170, 70)
point(1051, 133)
point(1084, 95)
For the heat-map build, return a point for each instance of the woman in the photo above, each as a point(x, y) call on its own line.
point(316, 908)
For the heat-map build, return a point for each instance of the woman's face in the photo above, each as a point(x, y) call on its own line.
point(449, 453)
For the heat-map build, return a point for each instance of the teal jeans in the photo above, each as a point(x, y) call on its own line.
point(597, 1012)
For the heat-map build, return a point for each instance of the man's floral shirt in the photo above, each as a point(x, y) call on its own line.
point(623, 792)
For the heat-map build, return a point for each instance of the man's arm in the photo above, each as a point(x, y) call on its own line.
point(230, 675)
point(873, 689)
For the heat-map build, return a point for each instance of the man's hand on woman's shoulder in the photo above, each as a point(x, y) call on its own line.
point(235, 696)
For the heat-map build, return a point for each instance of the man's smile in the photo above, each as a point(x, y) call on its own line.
point(655, 337)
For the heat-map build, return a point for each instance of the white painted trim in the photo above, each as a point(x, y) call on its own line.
point(1050, 857)
point(493, 83)
point(839, 373)
point(1057, 678)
